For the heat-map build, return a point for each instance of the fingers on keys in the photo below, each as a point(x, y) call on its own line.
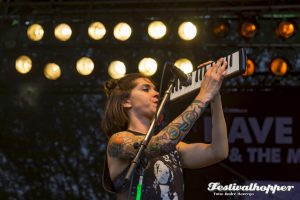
point(205, 63)
point(217, 65)
point(221, 69)
point(217, 68)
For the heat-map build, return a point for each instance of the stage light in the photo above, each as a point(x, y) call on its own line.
point(248, 29)
point(220, 29)
point(96, 30)
point(35, 32)
point(52, 71)
point(250, 68)
point(122, 31)
point(147, 66)
point(157, 30)
point(63, 32)
point(185, 65)
point(286, 29)
point(187, 31)
point(85, 66)
point(23, 64)
point(117, 69)
point(279, 66)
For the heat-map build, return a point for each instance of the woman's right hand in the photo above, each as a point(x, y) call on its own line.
point(212, 81)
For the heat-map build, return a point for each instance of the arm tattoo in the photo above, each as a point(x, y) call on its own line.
point(123, 145)
point(171, 135)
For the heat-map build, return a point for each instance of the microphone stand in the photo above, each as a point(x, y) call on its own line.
point(149, 134)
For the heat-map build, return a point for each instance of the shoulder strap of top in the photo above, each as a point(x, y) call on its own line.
point(134, 132)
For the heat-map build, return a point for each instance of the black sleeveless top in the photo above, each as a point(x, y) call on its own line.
point(163, 179)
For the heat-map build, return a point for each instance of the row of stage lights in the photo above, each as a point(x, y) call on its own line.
point(157, 30)
point(147, 66)
point(85, 66)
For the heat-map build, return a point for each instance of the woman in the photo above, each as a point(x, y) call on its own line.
point(131, 106)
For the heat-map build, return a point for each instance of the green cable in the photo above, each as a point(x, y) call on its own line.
point(139, 189)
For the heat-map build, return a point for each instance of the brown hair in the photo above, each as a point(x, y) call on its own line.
point(115, 117)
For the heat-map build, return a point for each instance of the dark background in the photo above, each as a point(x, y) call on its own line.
point(51, 143)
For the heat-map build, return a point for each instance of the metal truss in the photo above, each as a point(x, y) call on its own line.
point(41, 7)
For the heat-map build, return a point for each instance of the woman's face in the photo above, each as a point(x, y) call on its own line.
point(143, 98)
point(162, 172)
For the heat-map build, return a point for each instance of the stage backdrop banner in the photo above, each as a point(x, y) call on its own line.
point(263, 133)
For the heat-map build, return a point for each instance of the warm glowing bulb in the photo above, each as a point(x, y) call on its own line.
point(157, 30)
point(96, 30)
point(248, 29)
point(286, 29)
point(63, 32)
point(185, 65)
point(117, 69)
point(187, 31)
point(250, 68)
point(52, 71)
point(122, 31)
point(147, 66)
point(85, 66)
point(23, 64)
point(35, 32)
point(279, 67)
point(220, 29)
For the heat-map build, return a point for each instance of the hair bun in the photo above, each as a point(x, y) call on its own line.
point(109, 86)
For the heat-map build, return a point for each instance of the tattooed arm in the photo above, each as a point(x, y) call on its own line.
point(197, 155)
point(122, 145)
